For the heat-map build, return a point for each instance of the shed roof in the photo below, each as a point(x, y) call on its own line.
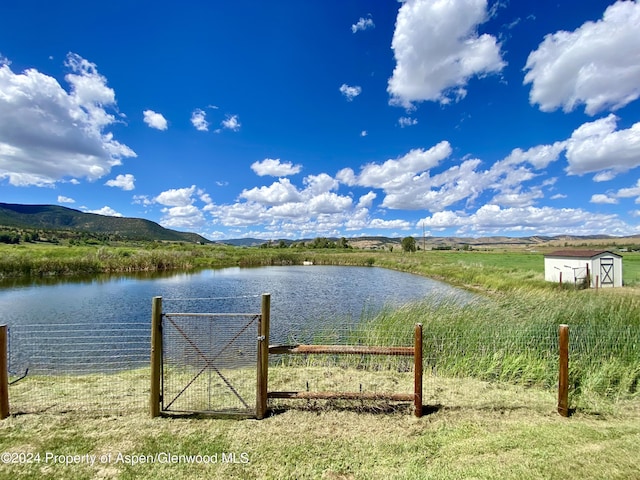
point(580, 253)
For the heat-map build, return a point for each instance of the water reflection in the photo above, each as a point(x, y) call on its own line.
point(52, 316)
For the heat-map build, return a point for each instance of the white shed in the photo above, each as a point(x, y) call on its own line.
point(600, 268)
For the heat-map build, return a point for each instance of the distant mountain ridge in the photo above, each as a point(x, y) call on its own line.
point(377, 242)
point(55, 217)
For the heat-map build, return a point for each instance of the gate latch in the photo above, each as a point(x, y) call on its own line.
point(261, 338)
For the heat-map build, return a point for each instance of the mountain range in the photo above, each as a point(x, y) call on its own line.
point(55, 217)
point(58, 218)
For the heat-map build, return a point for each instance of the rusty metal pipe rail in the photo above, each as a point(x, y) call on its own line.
point(340, 349)
point(415, 351)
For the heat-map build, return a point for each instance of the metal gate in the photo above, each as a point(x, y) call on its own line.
point(209, 363)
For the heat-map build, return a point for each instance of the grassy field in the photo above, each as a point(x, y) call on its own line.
point(489, 388)
point(492, 269)
point(484, 430)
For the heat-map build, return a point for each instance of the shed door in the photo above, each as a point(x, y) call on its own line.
point(606, 271)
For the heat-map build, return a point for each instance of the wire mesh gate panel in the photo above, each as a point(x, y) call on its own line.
point(209, 363)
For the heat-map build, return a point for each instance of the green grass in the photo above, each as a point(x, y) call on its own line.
point(473, 429)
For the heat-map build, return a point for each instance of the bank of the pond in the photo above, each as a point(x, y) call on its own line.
point(477, 270)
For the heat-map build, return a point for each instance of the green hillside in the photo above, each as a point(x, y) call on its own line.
point(55, 217)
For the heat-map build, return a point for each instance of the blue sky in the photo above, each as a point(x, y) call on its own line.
point(297, 119)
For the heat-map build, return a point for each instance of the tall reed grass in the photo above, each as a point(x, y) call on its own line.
point(512, 337)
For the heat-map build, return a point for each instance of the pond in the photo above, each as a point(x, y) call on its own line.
point(303, 299)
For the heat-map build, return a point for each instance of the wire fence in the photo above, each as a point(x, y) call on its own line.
point(104, 368)
point(209, 362)
point(97, 367)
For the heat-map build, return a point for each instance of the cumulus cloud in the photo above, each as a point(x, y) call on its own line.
point(125, 182)
point(275, 168)
point(176, 197)
point(362, 24)
point(569, 69)
point(438, 50)
point(598, 146)
point(278, 193)
point(199, 120)
point(232, 123)
point(603, 199)
point(107, 211)
point(49, 134)
point(155, 120)
point(396, 171)
point(185, 216)
point(630, 192)
point(492, 219)
point(63, 199)
point(350, 92)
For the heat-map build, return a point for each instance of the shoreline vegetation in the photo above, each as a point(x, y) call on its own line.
point(488, 269)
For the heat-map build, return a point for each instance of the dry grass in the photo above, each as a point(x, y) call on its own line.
point(471, 429)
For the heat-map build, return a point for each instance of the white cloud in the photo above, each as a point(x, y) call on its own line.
point(597, 146)
point(278, 193)
point(125, 182)
point(407, 121)
point(350, 92)
point(329, 202)
point(142, 200)
point(184, 216)
point(275, 168)
point(389, 224)
point(48, 134)
point(199, 120)
point(603, 199)
point(395, 172)
point(63, 199)
point(364, 133)
point(107, 211)
point(630, 192)
point(491, 219)
point(437, 50)
point(176, 197)
point(155, 120)
point(231, 123)
point(573, 68)
point(539, 156)
point(366, 200)
point(362, 24)
point(319, 184)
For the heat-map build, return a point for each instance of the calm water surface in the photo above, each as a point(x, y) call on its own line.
point(303, 299)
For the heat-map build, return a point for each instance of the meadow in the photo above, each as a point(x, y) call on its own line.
point(490, 403)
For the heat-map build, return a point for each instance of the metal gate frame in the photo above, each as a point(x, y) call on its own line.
point(157, 405)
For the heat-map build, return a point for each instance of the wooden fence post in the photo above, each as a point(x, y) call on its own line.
point(156, 356)
point(563, 376)
point(417, 360)
point(263, 358)
point(4, 373)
